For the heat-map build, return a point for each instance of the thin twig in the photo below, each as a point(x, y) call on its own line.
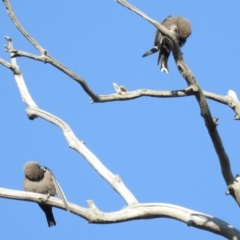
point(44, 54)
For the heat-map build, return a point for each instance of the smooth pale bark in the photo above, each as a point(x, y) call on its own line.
point(133, 210)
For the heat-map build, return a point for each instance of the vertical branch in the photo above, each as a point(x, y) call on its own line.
point(233, 186)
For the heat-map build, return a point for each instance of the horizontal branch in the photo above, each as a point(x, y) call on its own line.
point(138, 211)
point(124, 95)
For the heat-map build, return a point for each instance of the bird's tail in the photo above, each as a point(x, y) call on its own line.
point(164, 52)
point(163, 60)
point(151, 51)
point(49, 215)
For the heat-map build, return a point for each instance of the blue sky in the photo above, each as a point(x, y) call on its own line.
point(159, 147)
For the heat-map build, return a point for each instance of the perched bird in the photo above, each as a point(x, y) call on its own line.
point(41, 180)
point(183, 30)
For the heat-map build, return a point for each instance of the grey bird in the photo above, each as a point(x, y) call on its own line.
point(41, 180)
point(183, 30)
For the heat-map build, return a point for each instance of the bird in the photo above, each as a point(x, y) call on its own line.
point(182, 27)
point(40, 179)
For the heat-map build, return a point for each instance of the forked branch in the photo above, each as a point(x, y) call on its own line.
point(46, 58)
point(134, 210)
point(34, 111)
point(194, 87)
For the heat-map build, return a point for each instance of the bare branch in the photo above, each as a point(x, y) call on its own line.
point(124, 95)
point(33, 111)
point(205, 111)
point(26, 97)
point(20, 27)
point(135, 210)
point(234, 103)
point(186, 73)
point(45, 57)
point(5, 63)
point(138, 211)
point(80, 147)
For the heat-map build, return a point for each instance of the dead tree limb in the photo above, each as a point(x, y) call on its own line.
point(138, 211)
point(233, 184)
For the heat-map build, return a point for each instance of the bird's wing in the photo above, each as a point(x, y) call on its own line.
point(60, 193)
point(59, 190)
point(157, 40)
